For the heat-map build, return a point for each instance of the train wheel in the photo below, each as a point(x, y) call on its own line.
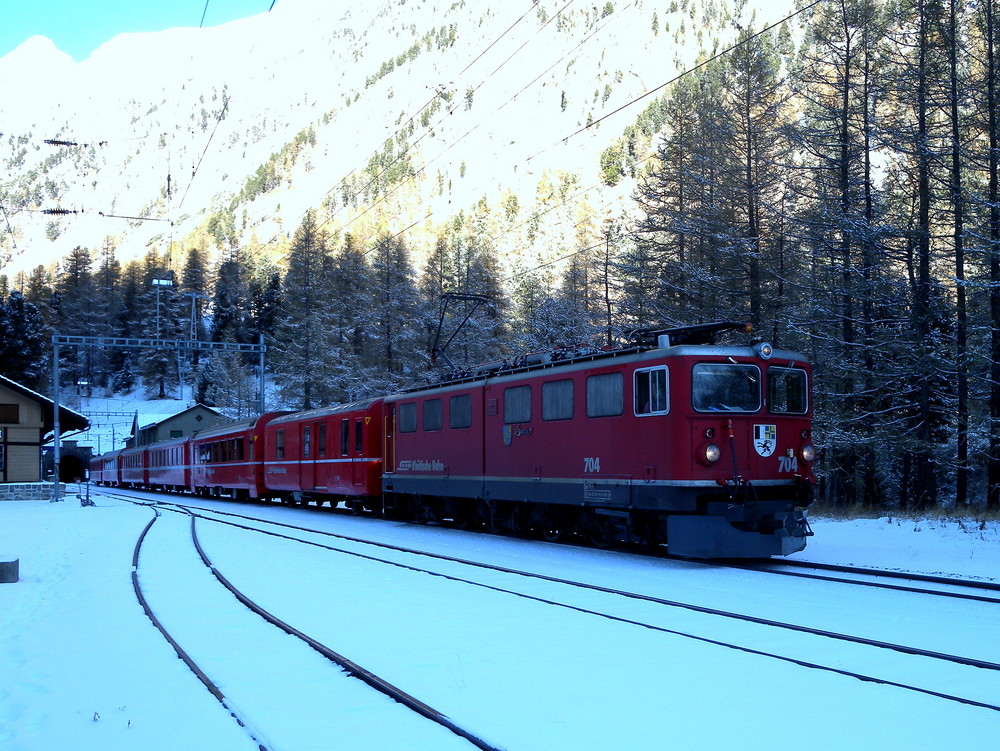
point(551, 532)
point(601, 532)
point(552, 523)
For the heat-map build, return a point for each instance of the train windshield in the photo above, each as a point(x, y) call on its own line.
point(721, 387)
point(787, 391)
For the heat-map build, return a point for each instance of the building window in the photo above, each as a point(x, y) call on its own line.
point(433, 415)
point(557, 400)
point(408, 417)
point(460, 411)
point(605, 395)
point(9, 414)
point(650, 391)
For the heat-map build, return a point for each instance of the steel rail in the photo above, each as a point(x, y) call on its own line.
point(352, 668)
point(181, 653)
point(913, 651)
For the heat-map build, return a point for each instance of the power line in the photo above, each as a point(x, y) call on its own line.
point(194, 172)
point(430, 129)
point(677, 77)
point(454, 143)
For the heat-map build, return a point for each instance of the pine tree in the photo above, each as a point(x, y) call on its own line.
point(399, 316)
point(302, 340)
point(23, 346)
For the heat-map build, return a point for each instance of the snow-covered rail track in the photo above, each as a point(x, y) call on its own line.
point(181, 653)
point(214, 684)
point(458, 570)
point(941, 586)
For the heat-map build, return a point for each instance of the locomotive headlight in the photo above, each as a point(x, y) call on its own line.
point(764, 350)
point(712, 454)
point(808, 452)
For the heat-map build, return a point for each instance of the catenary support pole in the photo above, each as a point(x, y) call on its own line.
point(55, 417)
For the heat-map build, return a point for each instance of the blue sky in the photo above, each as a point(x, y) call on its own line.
point(79, 27)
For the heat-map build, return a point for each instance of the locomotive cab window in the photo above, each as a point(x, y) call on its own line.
point(517, 404)
point(650, 391)
point(725, 387)
point(605, 395)
point(787, 391)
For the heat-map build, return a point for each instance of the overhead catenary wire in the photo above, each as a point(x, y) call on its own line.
point(676, 78)
point(430, 129)
point(475, 127)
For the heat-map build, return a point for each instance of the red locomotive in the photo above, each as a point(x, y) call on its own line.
point(675, 440)
point(705, 448)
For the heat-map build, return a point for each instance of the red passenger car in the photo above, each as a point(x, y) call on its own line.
point(132, 467)
point(228, 460)
point(328, 454)
point(104, 469)
point(170, 464)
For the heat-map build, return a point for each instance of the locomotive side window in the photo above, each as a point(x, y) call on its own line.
point(517, 404)
point(787, 391)
point(279, 444)
point(723, 387)
point(345, 436)
point(320, 440)
point(557, 400)
point(605, 395)
point(433, 414)
point(358, 436)
point(650, 391)
point(460, 411)
point(408, 417)
point(306, 442)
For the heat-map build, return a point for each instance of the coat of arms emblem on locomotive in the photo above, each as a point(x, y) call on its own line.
point(764, 439)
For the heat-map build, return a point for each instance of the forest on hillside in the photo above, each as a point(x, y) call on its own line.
point(836, 185)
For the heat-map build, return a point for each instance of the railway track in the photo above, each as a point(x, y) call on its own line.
point(944, 586)
point(408, 555)
point(351, 668)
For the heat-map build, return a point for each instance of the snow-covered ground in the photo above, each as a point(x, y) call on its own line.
point(83, 668)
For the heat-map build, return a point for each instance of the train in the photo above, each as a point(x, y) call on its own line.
point(672, 440)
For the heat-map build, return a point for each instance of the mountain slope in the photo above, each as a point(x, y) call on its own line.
point(409, 112)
